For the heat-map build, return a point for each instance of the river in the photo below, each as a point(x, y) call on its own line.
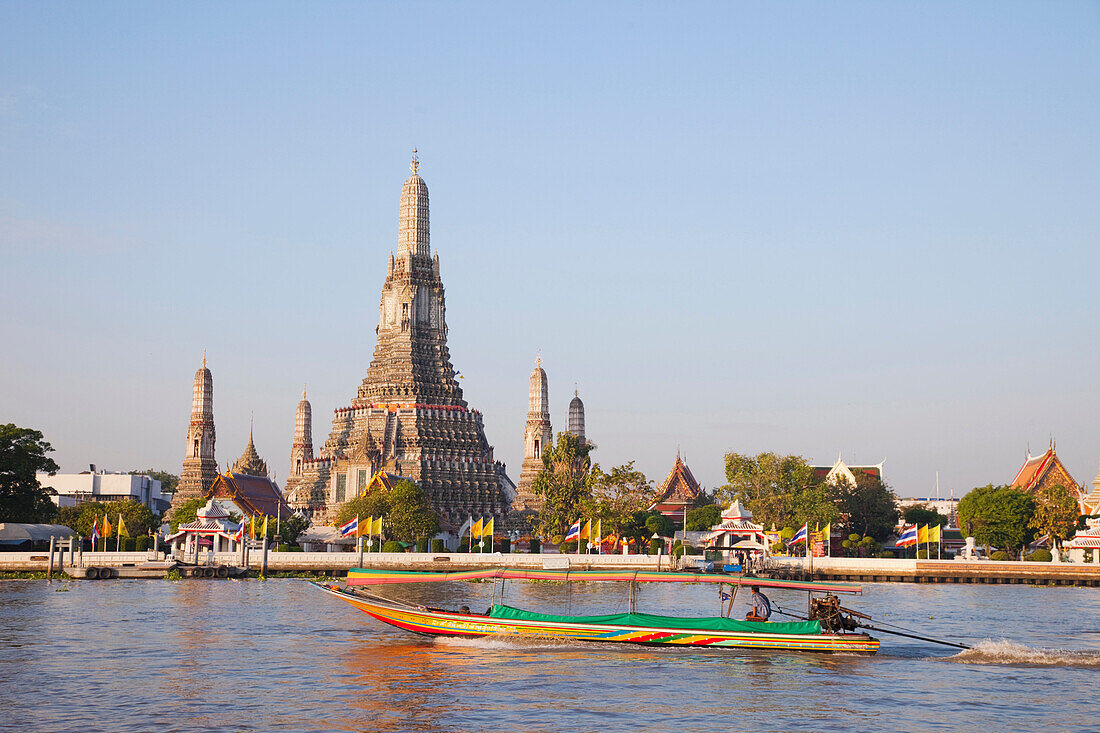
point(279, 655)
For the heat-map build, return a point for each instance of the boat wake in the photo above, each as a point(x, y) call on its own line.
point(1003, 651)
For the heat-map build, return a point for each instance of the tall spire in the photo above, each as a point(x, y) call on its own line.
point(301, 448)
point(576, 415)
point(415, 165)
point(199, 467)
point(412, 225)
point(537, 436)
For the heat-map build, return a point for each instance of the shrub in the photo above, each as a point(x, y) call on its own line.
point(393, 546)
point(853, 538)
point(505, 545)
point(557, 539)
point(536, 545)
point(1040, 556)
point(886, 554)
point(922, 554)
point(999, 555)
point(677, 550)
point(282, 547)
point(438, 546)
point(655, 546)
point(568, 548)
point(422, 544)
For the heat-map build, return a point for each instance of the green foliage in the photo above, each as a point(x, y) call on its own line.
point(22, 455)
point(922, 554)
point(997, 516)
point(786, 533)
point(1056, 512)
point(568, 548)
point(870, 507)
point(405, 511)
point(185, 512)
point(617, 496)
point(886, 554)
point(291, 527)
point(168, 481)
point(536, 546)
point(660, 524)
point(139, 520)
point(505, 545)
point(1040, 555)
point(438, 546)
point(854, 538)
point(998, 555)
point(173, 574)
point(703, 518)
point(564, 483)
point(923, 514)
point(655, 546)
point(393, 546)
point(422, 544)
point(778, 489)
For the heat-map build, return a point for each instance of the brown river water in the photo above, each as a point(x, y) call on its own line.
point(279, 655)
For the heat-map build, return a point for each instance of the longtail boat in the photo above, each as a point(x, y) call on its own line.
point(829, 629)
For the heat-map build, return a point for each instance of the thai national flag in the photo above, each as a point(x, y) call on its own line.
point(800, 535)
point(240, 531)
point(908, 537)
point(574, 531)
point(95, 531)
point(352, 527)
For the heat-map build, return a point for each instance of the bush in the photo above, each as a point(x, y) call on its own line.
point(922, 554)
point(141, 544)
point(655, 546)
point(536, 545)
point(422, 544)
point(568, 548)
point(886, 554)
point(999, 555)
point(853, 538)
point(282, 547)
point(438, 546)
point(393, 546)
point(1040, 556)
point(505, 545)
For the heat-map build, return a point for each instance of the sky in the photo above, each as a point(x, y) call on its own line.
point(868, 230)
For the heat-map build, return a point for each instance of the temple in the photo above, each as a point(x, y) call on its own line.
point(537, 435)
point(250, 463)
point(199, 467)
point(408, 417)
point(677, 493)
point(576, 416)
point(841, 470)
point(1039, 472)
point(1090, 502)
point(254, 496)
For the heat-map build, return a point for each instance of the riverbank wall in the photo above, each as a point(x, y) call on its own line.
point(885, 570)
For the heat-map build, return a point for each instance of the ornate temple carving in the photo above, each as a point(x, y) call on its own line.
point(250, 463)
point(199, 467)
point(408, 417)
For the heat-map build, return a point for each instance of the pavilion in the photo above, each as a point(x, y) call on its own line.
point(737, 531)
point(212, 531)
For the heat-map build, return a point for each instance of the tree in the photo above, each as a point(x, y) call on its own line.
point(168, 481)
point(564, 483)
point(923, 514)
point(870, 508)
point(1056, 512)
point(405, 511)
point(185, 513)
point(997, 516)
point(138, 519)
point(22, 456)
point(657, 523)
point(617, 495)
point(703, 518)
point(778, 489)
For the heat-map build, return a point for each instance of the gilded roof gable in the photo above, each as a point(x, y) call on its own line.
point(680, 486)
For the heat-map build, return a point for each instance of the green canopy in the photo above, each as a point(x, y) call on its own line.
point(713, 623)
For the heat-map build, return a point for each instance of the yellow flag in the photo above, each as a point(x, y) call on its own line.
point(376, 526)
point(922, 534)
point(122, 528)
point(828, 532)
point(252, 531)
point(475, 530)
point(106, 526)
point(265, 525)
point(599, 531)
point(934, 534)
point(487, 528)
point(586, 530)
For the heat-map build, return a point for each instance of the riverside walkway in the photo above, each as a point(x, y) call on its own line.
point(874, 570)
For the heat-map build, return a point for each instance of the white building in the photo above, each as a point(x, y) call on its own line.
point(77, 488)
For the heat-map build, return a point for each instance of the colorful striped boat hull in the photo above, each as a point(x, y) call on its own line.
point(444, 623)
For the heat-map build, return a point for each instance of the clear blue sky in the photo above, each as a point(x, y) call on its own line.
point(813, 228)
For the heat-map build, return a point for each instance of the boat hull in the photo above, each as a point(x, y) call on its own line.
point(443, 623)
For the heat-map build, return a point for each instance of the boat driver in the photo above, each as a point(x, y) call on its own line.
point(761, 607)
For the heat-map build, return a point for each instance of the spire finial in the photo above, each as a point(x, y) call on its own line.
point(303, 391)
point(576, 391)
point(204, 358)
point(415, 166)
point(538, 359)
point(251, 420)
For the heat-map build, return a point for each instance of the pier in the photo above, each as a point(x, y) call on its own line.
point(874, 570)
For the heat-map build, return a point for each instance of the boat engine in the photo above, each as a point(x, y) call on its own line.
point(832, 615)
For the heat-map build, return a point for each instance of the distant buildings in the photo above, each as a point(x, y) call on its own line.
point(199, 467)
point(841, 470)
point(1040, 472)
point(677, 493)
point(77, 488)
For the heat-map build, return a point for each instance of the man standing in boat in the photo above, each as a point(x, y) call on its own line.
point(761, 607)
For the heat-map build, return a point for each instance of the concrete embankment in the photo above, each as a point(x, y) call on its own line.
point(868, 570)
